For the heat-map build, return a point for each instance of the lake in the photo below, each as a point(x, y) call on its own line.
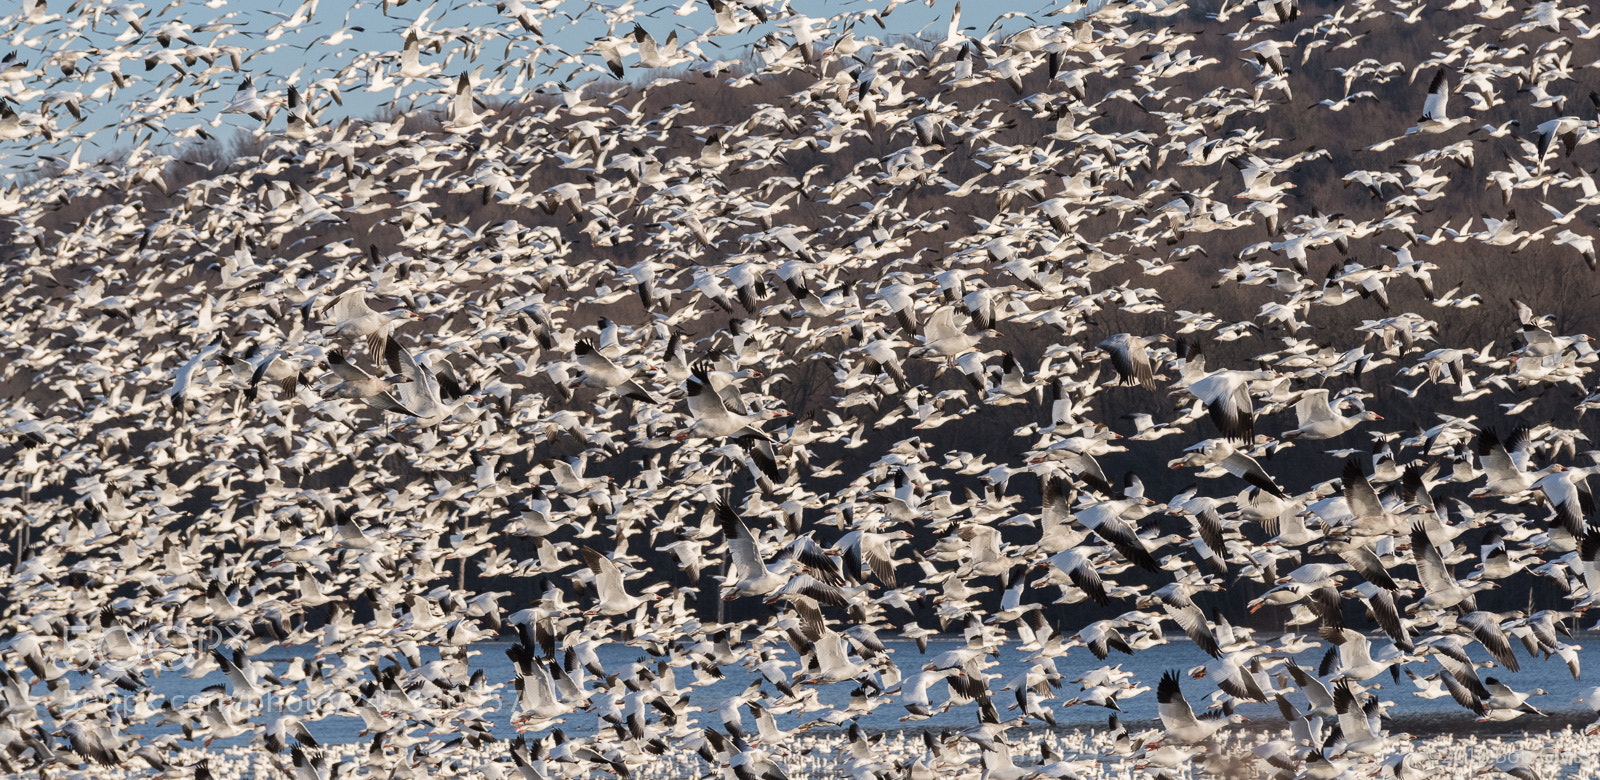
point(1407, 711)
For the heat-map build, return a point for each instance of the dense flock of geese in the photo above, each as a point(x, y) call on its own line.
point(680, 362)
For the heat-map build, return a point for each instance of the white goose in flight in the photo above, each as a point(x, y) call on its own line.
point(1130, 356)
point(1567, 490)
point(942, 337)
point(611, 598)
point(1440, 587)
point(1435, 116)
point(748, 573)
point(1505, 463)
point(714, 411)
point(600, 372)
point(1183, 727)
point(1319, 420)
point(1359, 738)
point(423, 393)
point(353, 318)
point(1226, 395)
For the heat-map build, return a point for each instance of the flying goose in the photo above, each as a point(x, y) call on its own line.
point(1178, 719)
point(1567, 490)
point(429, 397)
point(1435, 118)
point(1368, 515)
point(353, 318)
point(1226, 395)
point(1505, 463)
point(601, 372)
point(1517, 763)
point(1224, 453)
point(611, 598)
point(1359, 737)
point(1319, 420)
point(713, 415)
point(93, 741)
point(1130, 356)
point(748, 572)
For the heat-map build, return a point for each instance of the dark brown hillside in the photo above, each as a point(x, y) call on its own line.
point(703, 177)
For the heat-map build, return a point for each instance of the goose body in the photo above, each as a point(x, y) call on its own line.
point(1318, 419)
point(1182, 726)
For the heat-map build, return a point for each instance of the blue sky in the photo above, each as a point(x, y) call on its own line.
point(126, 82)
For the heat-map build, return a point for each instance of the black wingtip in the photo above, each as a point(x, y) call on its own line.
point(1169, 690)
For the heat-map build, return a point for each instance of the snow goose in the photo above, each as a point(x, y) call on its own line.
point(276, 367)
point(311, 764)
point(464, 116)
point(1484, 627)
point(833, 660)
point(1130, 356)
point(430, 397)
point(1435, 116)
point(538, 705)
point(1318, 419)
point(1013, 383)
point(93, 741)
point(714, 416)
point(1111, 520)
point(1177, 601)
point(913, 692)
point(1103, 636)
point(1441, 590)
point(601, 372)
point(1541, 343)
point(1357, 731)
point(411, 65)
point(998, 764)
point(219, 725)
point(863, 551)
point(1077, 455)
point(1226, 395)
point(1518, 764)
point(748, 574)
point(1591, 699)
point(1368, 515)
point(1081, 572)
point(611, 598)
point(246, 100)
point(654, 54)
point(281, 727)
point(1222, 452)
point(353, 318)
point(1057, 532)
point(1583, 244)
point(1147, 429)
point(1208, 541)
point(1238, 673)
point(943, 337)
point(1567, 490)
point(1178, 718)
point(1496, 561)
point(1505, 464)
point(1505, 700)
point(1356, 658)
